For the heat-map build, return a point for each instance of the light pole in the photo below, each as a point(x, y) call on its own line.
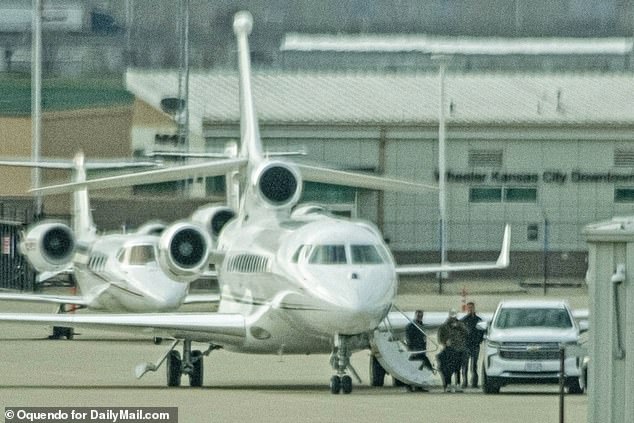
point(36, 100)
point(442, 61)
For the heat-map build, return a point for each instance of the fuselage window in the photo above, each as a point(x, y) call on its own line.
point(141, 254)
point(328, 254)
point(365, 254)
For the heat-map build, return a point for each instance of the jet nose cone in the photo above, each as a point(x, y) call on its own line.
point(359, 311)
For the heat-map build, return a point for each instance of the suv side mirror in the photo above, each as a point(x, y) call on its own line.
point(584, 326)
point(482, 325)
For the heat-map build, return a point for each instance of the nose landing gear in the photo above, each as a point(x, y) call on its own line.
point(340, 362)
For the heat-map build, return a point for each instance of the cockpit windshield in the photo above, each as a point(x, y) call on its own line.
point(328, 254)
point(365, 254)
point(141, 254)
point(339, 254)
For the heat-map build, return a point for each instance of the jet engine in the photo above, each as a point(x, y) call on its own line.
point(213, 218)
point(277, 184)
point(48, 246)
point(184, 250)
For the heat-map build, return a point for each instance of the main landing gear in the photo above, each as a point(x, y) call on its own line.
point(340, 362)
point(190, 364)
point(60, 332)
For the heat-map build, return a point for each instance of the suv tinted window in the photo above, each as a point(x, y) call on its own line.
point(533, 317)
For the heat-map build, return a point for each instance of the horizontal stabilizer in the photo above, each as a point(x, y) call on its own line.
point(360, 180)
point(190, 155)
point(501, 263)
point(70, 165)
point(175, 173)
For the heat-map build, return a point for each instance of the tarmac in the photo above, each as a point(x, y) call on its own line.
point(95, 370)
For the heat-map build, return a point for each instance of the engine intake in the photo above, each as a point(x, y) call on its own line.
point(278, 184)
point(184, 250)
point(48, 246)
point(213, 219)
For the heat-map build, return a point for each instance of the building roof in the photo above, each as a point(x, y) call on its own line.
point(61, 94)
point(433, 44)
point(304, 97)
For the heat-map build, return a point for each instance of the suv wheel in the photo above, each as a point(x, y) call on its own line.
point(488, 386)
point(574, 387)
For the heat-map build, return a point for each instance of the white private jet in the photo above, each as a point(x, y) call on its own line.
point(115, 272)
point(293, 279)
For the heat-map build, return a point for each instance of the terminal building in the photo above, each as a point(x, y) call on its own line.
point(547, 153)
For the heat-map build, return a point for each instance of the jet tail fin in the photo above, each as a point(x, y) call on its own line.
point(83, 224)
point(249, 129)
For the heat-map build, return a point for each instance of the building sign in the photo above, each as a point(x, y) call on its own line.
point(548, 177)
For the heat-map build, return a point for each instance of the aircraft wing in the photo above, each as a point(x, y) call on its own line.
point(202, 298)
point(203, 327)
point(431, 319)
point(398, 321)
point(41, 298)
point(501, 263)
point(173, 173)
point(360, 180)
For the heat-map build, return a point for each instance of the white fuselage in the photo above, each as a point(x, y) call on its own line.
point(120, 273)
point(301, 281)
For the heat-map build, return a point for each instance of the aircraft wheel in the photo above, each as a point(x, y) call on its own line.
point(58, 333)
point(157, 340)
point(174, 368)
point(70, 333)
point(346, 384)
point(335, 384)
point(377, 372)
point(196, 377)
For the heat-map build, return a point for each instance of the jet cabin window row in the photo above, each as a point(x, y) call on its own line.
point(340, 254)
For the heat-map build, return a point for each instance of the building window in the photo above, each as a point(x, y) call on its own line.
point(624, 195)
point(623, 157)
point(520, 195)
point(532, 232)
point(485, 195)
point(500, 194)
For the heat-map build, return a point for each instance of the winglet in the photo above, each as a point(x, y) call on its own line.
point(504, 260)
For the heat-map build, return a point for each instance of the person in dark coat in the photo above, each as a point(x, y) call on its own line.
point(417, 341)
point(452, 334)
point(472, 344)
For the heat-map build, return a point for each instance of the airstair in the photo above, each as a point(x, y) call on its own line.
point(390, 351)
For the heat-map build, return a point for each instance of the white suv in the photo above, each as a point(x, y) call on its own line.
point(523, 345)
